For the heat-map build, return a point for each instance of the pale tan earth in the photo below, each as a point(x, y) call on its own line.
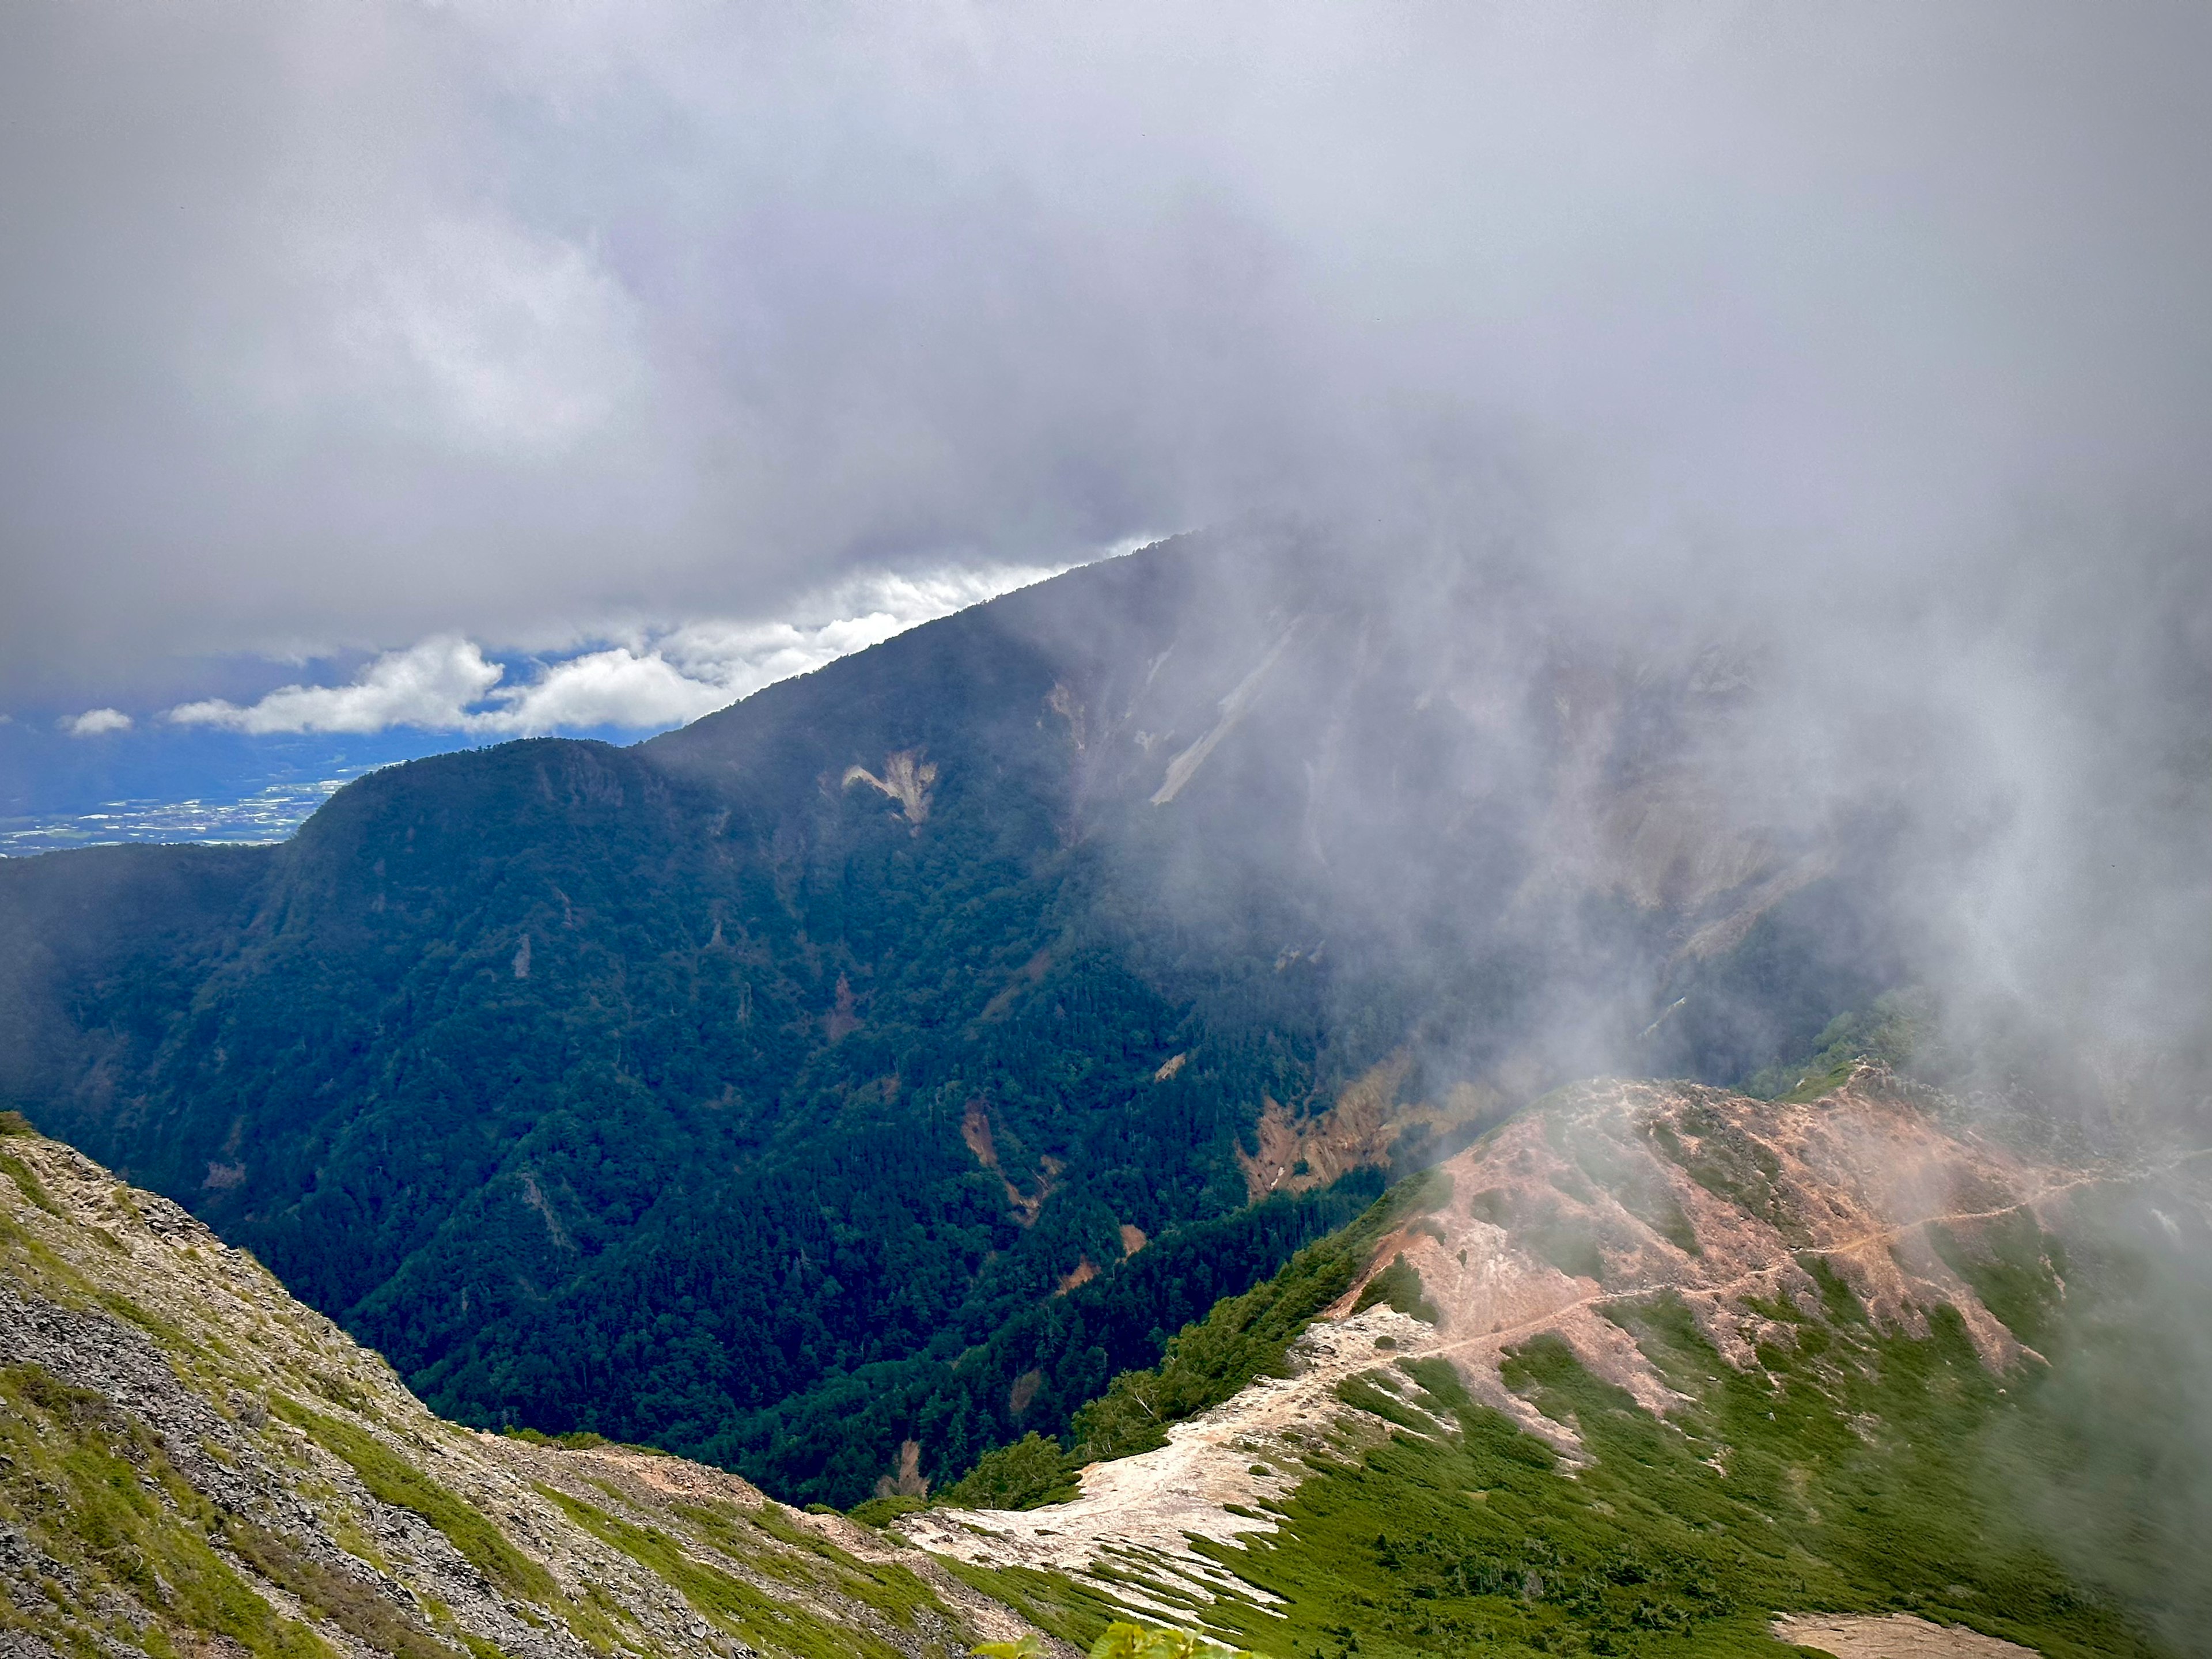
point(1898, 1636)
point(1854, 1178)
point(113, 1290)
point(1359, 1131)
point(1023, 1207)
point(1082, 1274)
point(908, 779)
point(1137, 1515)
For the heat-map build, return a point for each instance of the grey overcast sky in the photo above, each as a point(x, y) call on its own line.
point(393, 328)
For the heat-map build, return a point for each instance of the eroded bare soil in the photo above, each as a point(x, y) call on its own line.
point(1898, 1636)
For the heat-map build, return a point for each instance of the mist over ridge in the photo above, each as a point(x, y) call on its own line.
point(1862, 349)
point(1989, 777)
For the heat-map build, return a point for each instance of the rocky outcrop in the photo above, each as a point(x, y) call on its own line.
point(187, 1454)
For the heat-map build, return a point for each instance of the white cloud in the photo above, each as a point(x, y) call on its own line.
point(94, 722)
point(669, 675)
point(617, 687)
point(657, 676)
point(429, 686)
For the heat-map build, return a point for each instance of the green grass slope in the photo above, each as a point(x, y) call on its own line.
point(193, 1465)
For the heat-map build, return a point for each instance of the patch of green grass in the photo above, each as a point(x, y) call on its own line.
point(168, 1334)
point(891, 1589)
point(729, 1604)
point(726, 1527)
point(1732, 1165)
point(2017, 1269)
point(1055, 1602)
point(1399, 1285)
point(27, 1183)
point(771, 1521)
point(441, 1616)
point(882, 1511)
point(391, 1479)
point(574, 1440)
point(353, 1606)
point(97, 1492)
point(737, 1534)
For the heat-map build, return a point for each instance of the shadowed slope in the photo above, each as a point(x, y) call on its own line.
point(641, 1089)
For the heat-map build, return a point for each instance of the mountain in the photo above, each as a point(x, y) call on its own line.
point(191, 1462)
point(897, 1056)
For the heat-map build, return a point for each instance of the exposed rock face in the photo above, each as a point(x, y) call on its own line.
point(185, 1451)
point(1619, 1192)
point(1601, 1198)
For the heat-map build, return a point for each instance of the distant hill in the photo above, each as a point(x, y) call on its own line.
point(897, 1055)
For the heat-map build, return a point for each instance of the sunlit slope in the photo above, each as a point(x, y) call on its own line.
point(191, 1462)
point(1658, 1365)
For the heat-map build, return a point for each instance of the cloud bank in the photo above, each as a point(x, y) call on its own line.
point(656, 678)
point(344, 327)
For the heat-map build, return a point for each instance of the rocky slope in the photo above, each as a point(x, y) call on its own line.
point(193, 1464)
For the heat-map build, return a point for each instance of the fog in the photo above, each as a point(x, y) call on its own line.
point(353, 327)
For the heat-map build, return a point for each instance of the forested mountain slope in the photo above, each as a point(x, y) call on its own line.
point(898, 1055)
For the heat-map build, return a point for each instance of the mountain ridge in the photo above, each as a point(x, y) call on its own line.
point(190, 1458)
